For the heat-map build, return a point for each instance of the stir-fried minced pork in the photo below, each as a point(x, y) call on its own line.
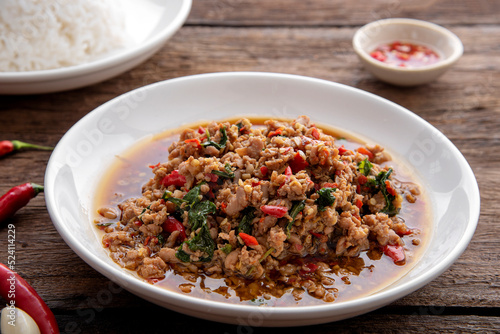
point(280, 201)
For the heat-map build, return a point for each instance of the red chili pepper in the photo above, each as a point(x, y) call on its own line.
point(330, 185)
point(172, 224)
point(404, 231)
point(311, 266)
point(223, 206)
point(194, 140)
point(264, 170)
point(255, 184)
point(154, 166)
point(395, 252)
point(299, 162)
point(248, 239)
point(16, 198)
point(288, 171)
point(362, 179)
point(146, 242)
point(213, 177)
point(390, 189)
point(277, 211)
point(275, 133)
point(315, 133)
point(320, 236)
point(7, 146)
point(342, 150)
point(201, 130)
point(26, 298)
point(174, 178)
point(365, 151)
point(379, 55)
point(359, 203)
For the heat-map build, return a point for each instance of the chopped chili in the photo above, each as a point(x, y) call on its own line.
point(274, 210)
point(395, 252)
point(248, 239)
point(365, 151)
point(171, 224)
point(299, 162)
point(196, 141)
point(174, 179)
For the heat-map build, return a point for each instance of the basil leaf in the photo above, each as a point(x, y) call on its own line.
point(296, 208)
point(193, 196)
point(202, 241)
point(229, 174)
point(245, 225)
point(167, 196)
point(364, 167)
point(198, 214)
point(325, 198)
point(221, 144)
point(389, 208)
point(182, 255)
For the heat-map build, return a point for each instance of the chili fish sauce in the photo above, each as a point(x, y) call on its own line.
point(405, 54)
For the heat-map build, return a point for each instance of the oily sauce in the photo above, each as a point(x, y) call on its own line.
point(349, 278)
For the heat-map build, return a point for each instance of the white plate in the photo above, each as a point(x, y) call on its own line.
point(149, 23)
point(89, 147)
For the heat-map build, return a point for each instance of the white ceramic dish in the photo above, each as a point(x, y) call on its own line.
point(149, 23)
point(89, 146)
point(374, 34)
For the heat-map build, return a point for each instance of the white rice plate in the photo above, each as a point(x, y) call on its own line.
point(48, 34)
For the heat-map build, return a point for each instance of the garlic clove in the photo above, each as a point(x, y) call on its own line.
point(15, 321)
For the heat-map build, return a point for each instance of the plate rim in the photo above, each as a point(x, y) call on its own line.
point(301, 312)
point(106, 62)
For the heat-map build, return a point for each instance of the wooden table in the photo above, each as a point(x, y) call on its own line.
point(306, 37)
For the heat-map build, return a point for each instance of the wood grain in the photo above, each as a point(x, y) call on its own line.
point(311, 38)
point(339, 13)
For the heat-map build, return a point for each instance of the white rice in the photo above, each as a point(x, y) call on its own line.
point(47, 34)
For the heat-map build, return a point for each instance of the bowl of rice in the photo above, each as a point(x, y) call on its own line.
point(54, 46)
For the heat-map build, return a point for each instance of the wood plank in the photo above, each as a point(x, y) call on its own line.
point(462, 104)
point(339, 13)
point(417, 321)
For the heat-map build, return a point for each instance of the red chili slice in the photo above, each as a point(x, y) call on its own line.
point(342, 150)
point(213, 177)
point(172, 224)
point(359, 203)
point(366, 152)
point(395, 252)
point(390, 189)
point(264, 170)
point(299, 162)
point(275, 133)
point(362, 179)
point(196, 141)
point(274, 210)
point(248, 239)
point(315, 133)
point(174, 179)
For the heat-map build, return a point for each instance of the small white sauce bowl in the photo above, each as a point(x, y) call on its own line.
point(444, 42)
